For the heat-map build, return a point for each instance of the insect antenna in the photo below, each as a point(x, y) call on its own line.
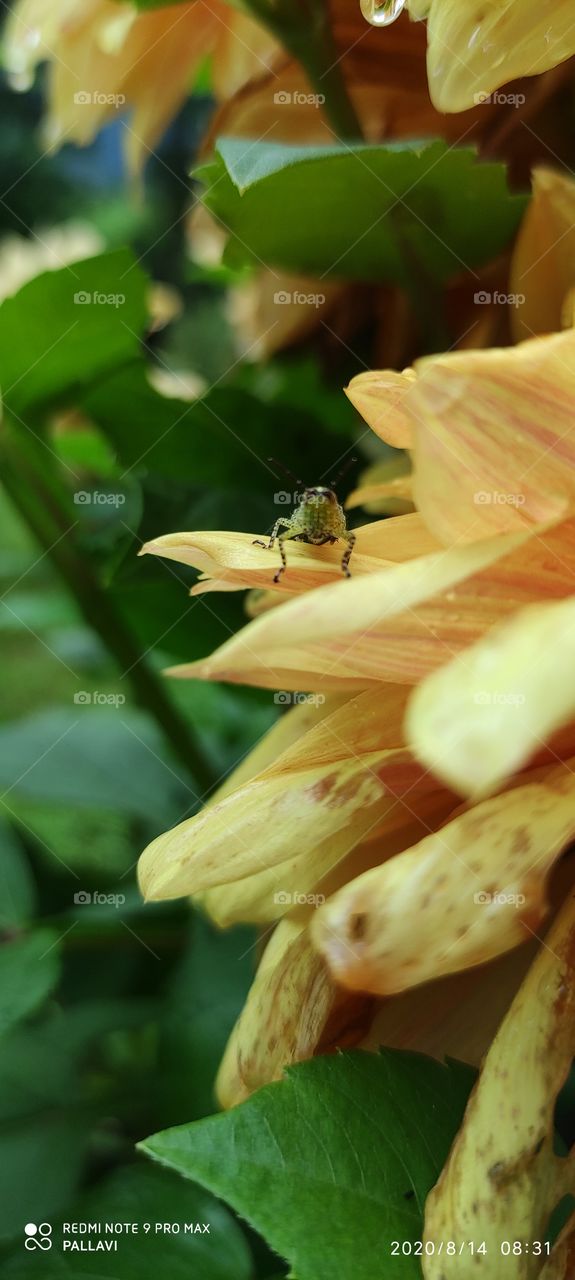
point(286, 471)
point(334, 483)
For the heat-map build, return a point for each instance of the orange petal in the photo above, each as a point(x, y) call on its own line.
point(395, 625)
point(235, 559)
point(494, 441)
point(474, 889)
point(379, 397)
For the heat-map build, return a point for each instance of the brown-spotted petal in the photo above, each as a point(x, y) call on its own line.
point(463, 895)
point(503, 1179)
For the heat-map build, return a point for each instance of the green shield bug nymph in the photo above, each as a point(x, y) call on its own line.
point(317, 519)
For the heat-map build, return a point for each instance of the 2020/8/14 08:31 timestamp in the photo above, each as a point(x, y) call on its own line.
point(454, 1248)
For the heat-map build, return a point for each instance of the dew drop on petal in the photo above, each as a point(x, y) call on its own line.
point(381, 13)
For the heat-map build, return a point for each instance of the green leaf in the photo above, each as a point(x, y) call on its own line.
point(40, 1164)
point(205, 997)
point(223, 440)
point(29, 970)
point(66, 328)
point(146, 1196)
point(17, 893)
point(334, 1162)
point(90, 755)
point(394, 212)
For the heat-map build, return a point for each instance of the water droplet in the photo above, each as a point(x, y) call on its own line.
point(381, 13)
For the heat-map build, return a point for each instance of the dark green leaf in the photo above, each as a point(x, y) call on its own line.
point(29, 970)
point(334, 1162)
point(61, 330)
point(17, 894)
point(91, 755)
point(394, 212)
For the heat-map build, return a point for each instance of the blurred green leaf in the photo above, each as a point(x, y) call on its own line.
point(204, 999)
point(87, 755)
point(61, 330)
point(140, 1195)
point(333, 1162)
point(29, 970)
point(363, 212)
point(17, 893)
point(222, 440)
point(40, 1164)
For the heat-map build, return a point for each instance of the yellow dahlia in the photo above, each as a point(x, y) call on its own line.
point(474, 46)
point(108, 57)
point(402, 823)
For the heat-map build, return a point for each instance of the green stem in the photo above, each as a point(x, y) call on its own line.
point(35, 491)
point(304, 28)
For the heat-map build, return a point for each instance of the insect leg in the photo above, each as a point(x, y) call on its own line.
point(282, 552)
point(345, 559)
point(257, 542)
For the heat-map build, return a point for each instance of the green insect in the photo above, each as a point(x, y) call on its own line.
point(318, 519)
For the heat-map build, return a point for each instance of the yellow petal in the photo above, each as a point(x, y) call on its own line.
point(379, 397)
point(494, 441)
point(385, 487)
point(480, 717)
point(235, 559)
point(474, 47)
point(394, 625)
point(323, 795)
point(309, 879)
point(543, 263)
point(472, 890)
point(293, 1010)
point(503, 1180)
